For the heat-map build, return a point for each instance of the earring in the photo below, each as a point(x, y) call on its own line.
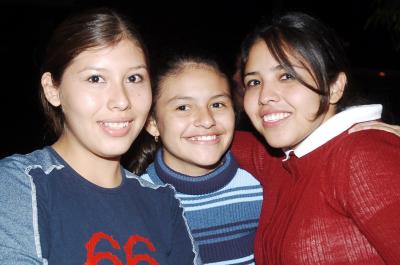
point(156, 138)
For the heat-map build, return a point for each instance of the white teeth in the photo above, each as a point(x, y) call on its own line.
point(275, 116)
point(204, 138)
point(116, 125)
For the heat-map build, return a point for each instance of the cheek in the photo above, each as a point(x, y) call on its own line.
point(226, 120)
point(168, 124)
point(250, 103)
point(80, 102)
point(308, 103)
point(230, 120)
point(141, 100)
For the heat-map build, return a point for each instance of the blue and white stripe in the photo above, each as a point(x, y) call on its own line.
point(223, 219)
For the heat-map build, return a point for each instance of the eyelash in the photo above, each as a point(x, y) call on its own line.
point(283, 77)
point(182, 108)
point(220, 105)
point(251, 83)
point(213, 105)
point(100, 79)
point(287, 76)
point(138, 78)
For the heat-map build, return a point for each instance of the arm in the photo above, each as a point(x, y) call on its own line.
point(377, 125)
point(249, 153)
point(253, 155)
point(19, 239)
point(183, 250)
point(371, 192)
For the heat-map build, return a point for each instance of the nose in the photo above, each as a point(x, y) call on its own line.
point(268, 94)
point(204, 118)
point(118, 98)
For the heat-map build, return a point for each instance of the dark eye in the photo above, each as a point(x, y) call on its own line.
point(95, 79)
point(218, 105)
point(183, 107)
point(252, 83)
point(287, 76)
point(135, 78)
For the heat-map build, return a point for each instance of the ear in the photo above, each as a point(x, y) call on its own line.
point(337, 88)
point(51, 92)
point(151, 126)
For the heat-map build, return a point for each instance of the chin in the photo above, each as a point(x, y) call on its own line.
point(113, 151)
point(112, 155)
point(209, 163)
point(278, 142)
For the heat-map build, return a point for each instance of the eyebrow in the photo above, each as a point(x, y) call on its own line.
point(227, 95)
point(137, 67)
point(224, 95)
point(141, 66)
point(274, 68)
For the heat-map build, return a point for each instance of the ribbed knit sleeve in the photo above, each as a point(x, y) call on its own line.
point(251, 154)
point(340, 204)
point(367, 186)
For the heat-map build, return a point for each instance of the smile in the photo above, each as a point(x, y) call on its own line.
point(116, 129)
point(116, 125)
point(203, 138)
point(274, 117)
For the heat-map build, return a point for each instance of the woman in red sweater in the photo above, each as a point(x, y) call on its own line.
point(334, 197)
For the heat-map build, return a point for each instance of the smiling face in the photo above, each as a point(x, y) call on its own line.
point(195, 119)
point(280, 107)
point(105, 96)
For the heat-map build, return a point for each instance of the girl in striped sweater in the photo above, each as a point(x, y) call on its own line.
point(192, 123)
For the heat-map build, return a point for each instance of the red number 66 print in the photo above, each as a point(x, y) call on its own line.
point(93, 258)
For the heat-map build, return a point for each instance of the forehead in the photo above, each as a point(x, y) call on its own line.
point(190, 79)
point(261, 56)
point(123, 50)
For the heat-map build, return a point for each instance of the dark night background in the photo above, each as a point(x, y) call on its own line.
point(218, 26)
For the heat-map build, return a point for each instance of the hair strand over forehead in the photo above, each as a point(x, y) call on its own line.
point(315, 46)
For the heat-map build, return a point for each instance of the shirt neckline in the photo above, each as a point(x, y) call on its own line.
point(83, 180)
point(204, 184)
point(334, 126)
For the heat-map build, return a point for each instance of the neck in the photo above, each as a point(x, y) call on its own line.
point(192, 170)
point(205, 184)
point(101, 171)
point(323, 118)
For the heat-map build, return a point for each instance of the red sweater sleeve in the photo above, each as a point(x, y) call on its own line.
point(368, 187)
point(250, 153)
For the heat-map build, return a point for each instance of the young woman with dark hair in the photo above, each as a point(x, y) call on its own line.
point(72, 202)
point(334, 198)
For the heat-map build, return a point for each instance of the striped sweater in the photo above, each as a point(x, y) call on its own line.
point(222, 208)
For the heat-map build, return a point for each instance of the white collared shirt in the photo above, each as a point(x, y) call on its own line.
point(335, 125)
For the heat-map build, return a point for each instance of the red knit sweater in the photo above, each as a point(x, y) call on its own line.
point(339, 205)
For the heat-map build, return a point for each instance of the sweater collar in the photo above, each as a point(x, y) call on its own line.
point(336, 125)
point(204, 184)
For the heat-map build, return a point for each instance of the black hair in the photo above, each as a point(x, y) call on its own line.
point(170, 64)
point(315, 45)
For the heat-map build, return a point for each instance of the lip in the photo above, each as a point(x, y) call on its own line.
point(116, 128)
point(204, 139)
point(274, 118)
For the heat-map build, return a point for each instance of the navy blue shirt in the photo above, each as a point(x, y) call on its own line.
point(82, 223)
